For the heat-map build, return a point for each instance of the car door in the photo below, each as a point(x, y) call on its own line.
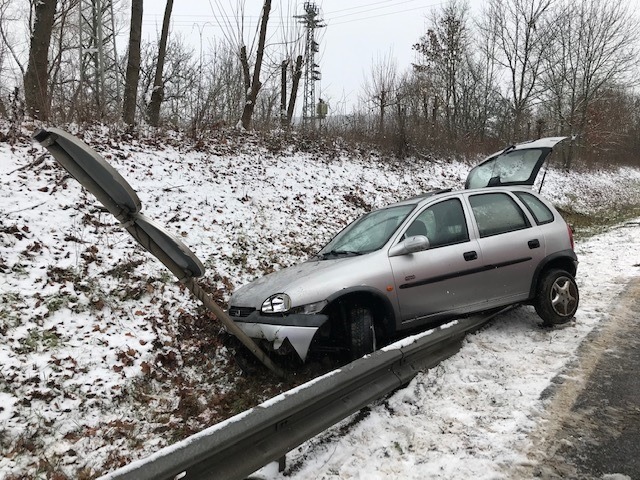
point(440, 280)
point(512, 247)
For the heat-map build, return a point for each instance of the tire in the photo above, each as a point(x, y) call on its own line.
point(557, 297)
point(363, 338)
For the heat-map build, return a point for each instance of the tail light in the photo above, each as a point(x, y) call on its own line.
point(570, 230)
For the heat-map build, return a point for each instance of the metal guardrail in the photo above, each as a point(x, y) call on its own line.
point(242, 444)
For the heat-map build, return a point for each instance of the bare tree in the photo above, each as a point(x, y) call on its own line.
point(63, 70)
point(295, 83)
point(179, 81)
point(594, 50)
point(36, 78)
point(522, 37)
point(445, 50)
point(3, 55)
point(7, 17)
point(380, 87)
point(252, 82)
point(486, 45)
point(291, 42)
point(133, 64)
point(158, 87)
point(225, 92)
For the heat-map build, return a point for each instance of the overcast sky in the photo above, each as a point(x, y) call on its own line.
point(356, 34)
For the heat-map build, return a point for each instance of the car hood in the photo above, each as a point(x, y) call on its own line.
point(306, 282)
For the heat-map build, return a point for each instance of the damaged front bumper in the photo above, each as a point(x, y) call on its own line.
point(280, 331)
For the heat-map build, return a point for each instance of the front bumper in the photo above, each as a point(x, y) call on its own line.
point(298, 329)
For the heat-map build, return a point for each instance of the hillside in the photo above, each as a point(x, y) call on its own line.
point(105, 358)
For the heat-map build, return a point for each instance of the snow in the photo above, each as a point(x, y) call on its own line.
point(104, 356)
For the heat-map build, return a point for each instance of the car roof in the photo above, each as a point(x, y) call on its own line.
point(420, 197)
point(424, 197)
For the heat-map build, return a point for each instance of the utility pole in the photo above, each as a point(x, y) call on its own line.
point(311, 71)
point(99, 69)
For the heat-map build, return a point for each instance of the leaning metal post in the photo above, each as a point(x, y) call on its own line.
point(231, 326)
point(127, 213)
point(189, 281)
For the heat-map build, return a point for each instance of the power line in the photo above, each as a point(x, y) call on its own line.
point(251, 20)
point(367, 9)
point(382, 14)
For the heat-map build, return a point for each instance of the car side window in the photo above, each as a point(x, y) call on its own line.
point(539, 210)
point(443, 224)
point(497, 213)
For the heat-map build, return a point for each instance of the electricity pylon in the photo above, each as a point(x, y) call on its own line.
point(311, 71)
point(99, 69)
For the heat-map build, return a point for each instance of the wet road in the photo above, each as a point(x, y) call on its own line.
point(592, 430)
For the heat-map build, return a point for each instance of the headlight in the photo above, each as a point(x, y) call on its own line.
point(278, 303)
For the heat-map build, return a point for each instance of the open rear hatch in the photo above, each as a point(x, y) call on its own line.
point(515, 165)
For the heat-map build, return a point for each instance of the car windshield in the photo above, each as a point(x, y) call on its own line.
point(368, 233)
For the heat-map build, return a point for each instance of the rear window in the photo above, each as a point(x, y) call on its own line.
point(497, 213)
point(515, 167)
point(539, 210)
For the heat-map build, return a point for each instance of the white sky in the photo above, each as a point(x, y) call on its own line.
point(357, 33)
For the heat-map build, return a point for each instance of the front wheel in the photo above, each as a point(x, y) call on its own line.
point(557, 297)
point(363, 337)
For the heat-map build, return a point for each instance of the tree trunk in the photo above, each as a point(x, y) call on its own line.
point(246, 75)
point(283, 93)
point(252, 93)
point(133, 64)
point(36, 77)
point(568, 159)
point(383, 104)
point(158, 85)
point(294, 89)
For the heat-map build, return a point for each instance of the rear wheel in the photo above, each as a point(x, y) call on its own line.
point(557, 297)
point(363, 337)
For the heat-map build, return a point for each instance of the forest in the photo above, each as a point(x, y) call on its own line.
point(521, 69)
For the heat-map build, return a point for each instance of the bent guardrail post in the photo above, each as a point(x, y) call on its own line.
point(189, 281)
point(95, 174)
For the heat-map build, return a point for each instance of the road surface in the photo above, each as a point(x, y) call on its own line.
point(592, 427)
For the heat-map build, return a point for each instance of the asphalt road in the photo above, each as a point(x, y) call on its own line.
point(592, 429)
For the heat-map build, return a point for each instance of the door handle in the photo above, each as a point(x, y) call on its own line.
point(535, 243)
point(472, 255)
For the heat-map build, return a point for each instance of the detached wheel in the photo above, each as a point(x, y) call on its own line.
point(363, 337)
point(557, 297)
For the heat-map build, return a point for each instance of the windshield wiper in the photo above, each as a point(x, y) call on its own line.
point(338, 253)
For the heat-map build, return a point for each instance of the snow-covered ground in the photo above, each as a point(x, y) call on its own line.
point(104, 358)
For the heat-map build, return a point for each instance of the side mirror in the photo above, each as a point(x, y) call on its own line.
point(419, 243)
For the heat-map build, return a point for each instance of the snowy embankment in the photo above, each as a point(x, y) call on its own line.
point(104, 358)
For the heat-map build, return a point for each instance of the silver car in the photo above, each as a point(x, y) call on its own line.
point(440, 255)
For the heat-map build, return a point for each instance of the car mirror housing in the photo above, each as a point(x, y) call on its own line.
point(414, 244)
